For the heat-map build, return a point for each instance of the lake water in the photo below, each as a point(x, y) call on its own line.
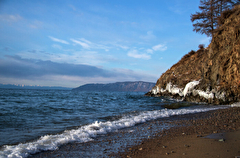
point(37, 120)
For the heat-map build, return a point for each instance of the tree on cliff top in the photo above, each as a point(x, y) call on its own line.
point(206, 21)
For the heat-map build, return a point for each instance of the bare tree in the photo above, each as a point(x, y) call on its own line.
point(206, 21)
point(223, 5)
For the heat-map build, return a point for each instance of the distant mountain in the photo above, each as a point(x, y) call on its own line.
point(138, 86)
point(12, 86)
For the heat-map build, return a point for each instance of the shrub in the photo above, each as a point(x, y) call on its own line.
point(201, 46)
point(188, 55)
point(191, 52)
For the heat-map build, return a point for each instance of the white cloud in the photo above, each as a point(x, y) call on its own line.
point(146, 52)
point(58, 40)
point(135, 54)
point(88, 57)
point(84, 45)
point(150, 51)
point(159, 47)
point(177, 10)
point(100, 46)
point(86, 41)
point(121, 46)
point(136, 75)
point(10, 18)
point(72, 7)
point(88, 44)
point(36, 24)
point(57, 46)
point(149, 36)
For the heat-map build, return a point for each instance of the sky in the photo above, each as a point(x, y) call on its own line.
point(74, 42)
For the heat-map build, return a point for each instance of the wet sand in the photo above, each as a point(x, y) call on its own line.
point(177, 136)
point(215, 135)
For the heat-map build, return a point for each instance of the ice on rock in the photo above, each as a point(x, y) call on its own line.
point(189, 87)
point(173, 89)
point(207, 94)
point(155, 90)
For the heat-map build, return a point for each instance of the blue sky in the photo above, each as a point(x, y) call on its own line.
point(73, 42)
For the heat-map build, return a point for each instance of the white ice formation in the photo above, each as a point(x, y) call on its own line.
point(189, 88)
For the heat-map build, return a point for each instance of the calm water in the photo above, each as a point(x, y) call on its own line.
point(36, 120)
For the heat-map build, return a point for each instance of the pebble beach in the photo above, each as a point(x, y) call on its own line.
point(208, 134)
point(211, 134)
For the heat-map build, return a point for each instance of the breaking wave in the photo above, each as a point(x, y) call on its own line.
point(89, 132)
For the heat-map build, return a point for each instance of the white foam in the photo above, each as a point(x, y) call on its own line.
point(88, 132)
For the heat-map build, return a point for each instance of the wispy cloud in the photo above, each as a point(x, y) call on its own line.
point(150, 51)
point(136, 54)
point(10, 18)
point(72, 7)
point(179, 7)
point(36, 24)
point(57, 46)
point(146, 53)
point(86, 44)
point(121, 46)
point(148, 36)
point(88, 57)
point(159, 47)
point(86, 41)
point(58, 40)
point(176, 10)
point(83, 44)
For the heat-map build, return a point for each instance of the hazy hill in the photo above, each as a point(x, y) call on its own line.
point(138, 86)
point(11, 86)
point(210, 74)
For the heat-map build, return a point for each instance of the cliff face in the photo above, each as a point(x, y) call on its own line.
point(119, 86)
point(209, 75)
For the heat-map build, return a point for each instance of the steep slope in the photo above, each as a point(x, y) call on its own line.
point(138, 86)
point(209, 75)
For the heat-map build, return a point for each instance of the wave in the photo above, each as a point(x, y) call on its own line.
point(89, 132)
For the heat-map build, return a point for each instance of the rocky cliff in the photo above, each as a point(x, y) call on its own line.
point(138, 86)
point(210, 74)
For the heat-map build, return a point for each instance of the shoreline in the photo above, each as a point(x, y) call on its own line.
point(214, 134)
point(149, 137)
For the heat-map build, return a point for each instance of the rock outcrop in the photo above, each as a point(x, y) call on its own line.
point(137, 86)
point(210, 74)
